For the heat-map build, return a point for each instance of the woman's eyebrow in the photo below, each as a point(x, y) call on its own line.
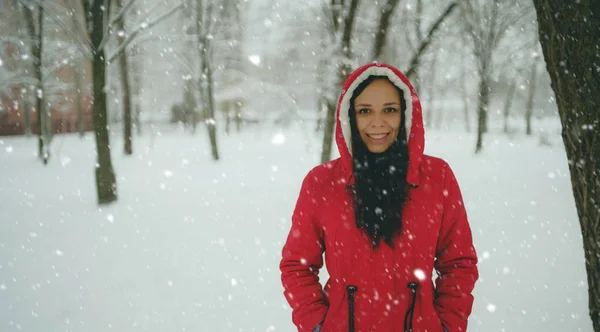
point(386, 104)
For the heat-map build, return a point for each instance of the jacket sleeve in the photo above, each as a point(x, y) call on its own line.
point(302, 257)
point(456, 260)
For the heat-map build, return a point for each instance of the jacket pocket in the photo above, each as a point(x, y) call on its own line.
point(428, 318)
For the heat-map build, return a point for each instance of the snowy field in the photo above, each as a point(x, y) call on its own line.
point(194, 245)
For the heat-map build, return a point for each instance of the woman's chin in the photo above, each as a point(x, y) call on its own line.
point(379, 148)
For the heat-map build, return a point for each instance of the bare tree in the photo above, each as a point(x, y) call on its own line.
point(487, 22)
point(106, 184)
point(206, 20)
point(570, 35)
point(508, 103)
point(233, 63)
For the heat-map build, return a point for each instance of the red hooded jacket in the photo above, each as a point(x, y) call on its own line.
point(382, 289)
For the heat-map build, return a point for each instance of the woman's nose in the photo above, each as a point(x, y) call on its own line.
point(378, 120)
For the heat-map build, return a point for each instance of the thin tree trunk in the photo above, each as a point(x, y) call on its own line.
point(570, 34)
point(189, 105)
point(138, 118)
point(416, 78)
point(530, 99)
point(78, 88)
point(227, 112)
point(344, 70)
point(106, 183)
point(238, 116)
point(508, 103)
point(36, 37)
point(465, 96)
point(78, 74)
point(210, 109)
point(482, 111)
point(383, 28)
point(126, 94)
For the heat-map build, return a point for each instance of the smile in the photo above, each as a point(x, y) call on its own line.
point(378, 137)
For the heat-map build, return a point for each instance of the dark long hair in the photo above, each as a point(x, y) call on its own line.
point(380, 188)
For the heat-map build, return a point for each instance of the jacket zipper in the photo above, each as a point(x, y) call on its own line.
point(351, 289)
point(408, 318)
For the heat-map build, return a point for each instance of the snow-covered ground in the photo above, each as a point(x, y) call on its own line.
point(194, 245)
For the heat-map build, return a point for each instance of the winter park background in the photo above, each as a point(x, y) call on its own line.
point(193, 244)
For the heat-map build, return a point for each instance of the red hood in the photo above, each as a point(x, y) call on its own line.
point(414, 118)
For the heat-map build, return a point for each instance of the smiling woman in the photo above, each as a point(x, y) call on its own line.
point(377, 109)
point(385, 215)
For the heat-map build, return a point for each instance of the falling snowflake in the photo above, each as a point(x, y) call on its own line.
point(278, 139)
point(491, 308)
point(420, 274)
point(255, 59)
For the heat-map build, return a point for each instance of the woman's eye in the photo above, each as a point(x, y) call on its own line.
point(363, 111)
point(390, 110)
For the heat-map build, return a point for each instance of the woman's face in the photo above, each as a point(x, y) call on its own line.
point(378, 114)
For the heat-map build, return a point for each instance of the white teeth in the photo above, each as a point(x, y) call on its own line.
point(377, 136)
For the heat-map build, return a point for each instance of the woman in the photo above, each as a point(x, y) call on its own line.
point(385, 215)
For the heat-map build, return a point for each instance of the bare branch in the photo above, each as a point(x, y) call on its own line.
point(50, 11)
point(121, 13)
point(425, 43)
point(142, 27)
point(118, 17)
point(382, 29)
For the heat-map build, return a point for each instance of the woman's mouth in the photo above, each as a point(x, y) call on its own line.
point(378, 137)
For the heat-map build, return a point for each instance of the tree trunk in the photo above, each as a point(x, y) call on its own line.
point(227, 112)
point(530, 99)
point(138, 119)
point(210, 103)
point(465, 96)
point(78, 71)
point(106, 184)
point(570, 35)
point(508, 103)
point(78, 88)
point(238, 116)
point(482, 111)
point(344, 70)
point(126, 94)
point(416, 78)
point(328, 136)
point(382, 30)
point(36, 37)
point(189, 105)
